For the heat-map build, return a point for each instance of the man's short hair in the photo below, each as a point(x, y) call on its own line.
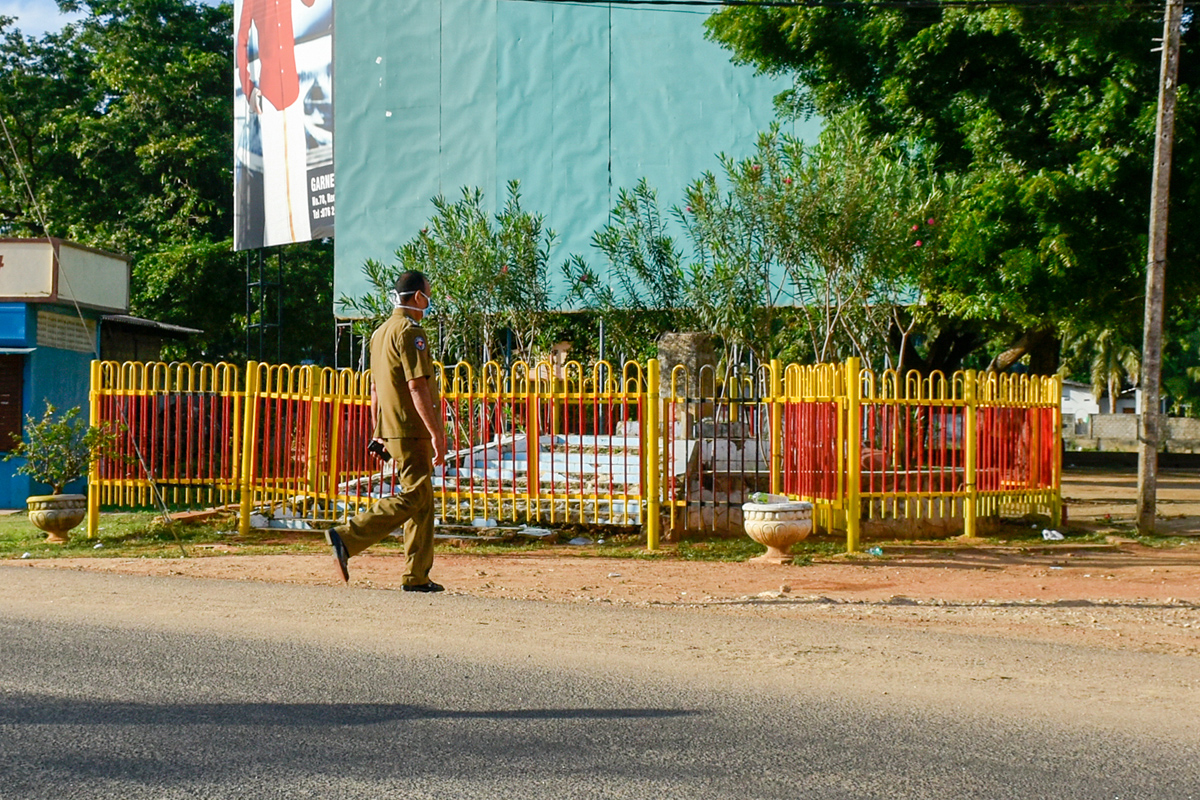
point(411, 282)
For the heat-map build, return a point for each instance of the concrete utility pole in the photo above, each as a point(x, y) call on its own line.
point(1164, 136)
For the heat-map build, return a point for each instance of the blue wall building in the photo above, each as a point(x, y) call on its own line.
point(52, 297)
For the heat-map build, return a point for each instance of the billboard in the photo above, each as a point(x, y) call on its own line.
point(283, 122)
point(577, 101)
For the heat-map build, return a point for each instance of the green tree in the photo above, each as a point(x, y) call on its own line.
point(844, 230)
point(645, 289)
point(1106, 357)
point(120, 129)
point(59, 448)
point(41, 81)
point(1046, 114)
point(199, 283)
point(1181, 362)
point(489, 275)
point(806, 252)
point(131, 144)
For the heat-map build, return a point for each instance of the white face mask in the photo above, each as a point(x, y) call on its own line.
point(397, 302)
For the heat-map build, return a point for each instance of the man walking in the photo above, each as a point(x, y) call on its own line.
point(406, 407)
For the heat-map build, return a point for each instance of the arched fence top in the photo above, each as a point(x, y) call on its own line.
point(912, 387)
point(796, 381)
point(134, 377)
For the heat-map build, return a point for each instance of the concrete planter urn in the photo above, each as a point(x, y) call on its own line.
point(777, 523)
point(57, 514)
point(57, 451)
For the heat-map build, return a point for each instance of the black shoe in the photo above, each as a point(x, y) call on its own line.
point(423, 587)
point(339, 554)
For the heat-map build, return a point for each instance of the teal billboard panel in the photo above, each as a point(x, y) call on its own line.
point(574, 101)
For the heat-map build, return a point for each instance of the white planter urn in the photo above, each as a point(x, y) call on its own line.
point(777, 523)
point(57, 514)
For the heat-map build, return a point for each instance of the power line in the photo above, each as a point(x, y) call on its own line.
point(705, 8)
point(41, 217)
point(861, 4)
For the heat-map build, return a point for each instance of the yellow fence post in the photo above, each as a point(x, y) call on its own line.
point(316, 398)
point(853, 452)
point(533, 443)
point(93, 506)
point(970, 453)
point(249, 436)
point(556, 414)
point(776, 426)
point(651, 441)
point(337, 398)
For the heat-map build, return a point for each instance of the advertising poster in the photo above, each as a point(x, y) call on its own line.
point(283, 122)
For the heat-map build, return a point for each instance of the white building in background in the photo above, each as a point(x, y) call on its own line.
point(1079, 405)
point(1078, 400)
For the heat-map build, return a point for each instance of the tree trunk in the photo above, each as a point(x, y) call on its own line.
point(945, 352)
point(1044, 356)
point(1156, 273)
point(1040, 344)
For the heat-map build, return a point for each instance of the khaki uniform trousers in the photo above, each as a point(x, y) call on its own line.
point(411, 506)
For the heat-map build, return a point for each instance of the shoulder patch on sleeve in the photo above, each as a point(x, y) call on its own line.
point(419, 343)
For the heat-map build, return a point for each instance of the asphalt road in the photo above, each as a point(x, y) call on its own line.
point(128, 687)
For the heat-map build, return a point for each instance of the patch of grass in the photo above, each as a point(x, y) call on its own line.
point(1030, 538)
point(744, 548)
point(633, 546)
point(738, 549)
point(1164, 542)
point(1022, 536)
point(482, 548)
point(143, 534)
point(127, 535)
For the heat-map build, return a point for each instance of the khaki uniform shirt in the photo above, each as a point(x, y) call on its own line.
point(399, 354)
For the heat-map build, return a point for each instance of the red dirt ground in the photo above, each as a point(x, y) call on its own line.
point(1117, 593)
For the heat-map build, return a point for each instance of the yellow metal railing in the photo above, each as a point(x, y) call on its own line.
point(623, 445)
point(544, 442)
point(179, 423)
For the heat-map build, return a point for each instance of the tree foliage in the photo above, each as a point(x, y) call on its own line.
point(1044, 112)
point(645, 289)
point(844, 230)
point(59, 448)
point(489, 274)
point(1181, 363)
point(199, 283)
point(803, 251)
point(1107, 359)
point(124, 117)
point(121, 125)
